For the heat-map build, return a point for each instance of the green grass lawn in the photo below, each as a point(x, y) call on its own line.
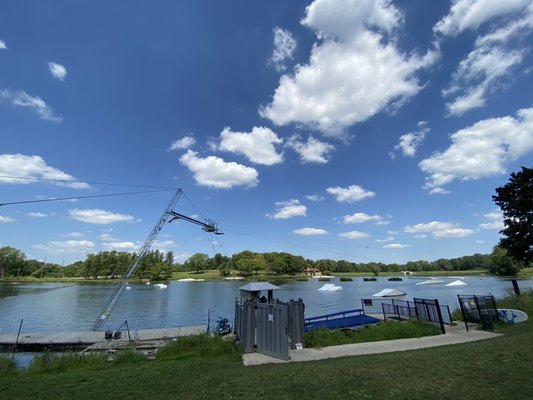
point(499, 368)
point(495, 369)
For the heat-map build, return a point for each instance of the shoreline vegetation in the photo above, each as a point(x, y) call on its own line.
point(203, 367)
point(214, 275)
point(161, 266)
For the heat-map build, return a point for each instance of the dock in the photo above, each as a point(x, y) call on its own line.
point(94, 341)
point(343, 319)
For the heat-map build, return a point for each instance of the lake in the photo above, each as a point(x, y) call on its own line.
point(55, 307)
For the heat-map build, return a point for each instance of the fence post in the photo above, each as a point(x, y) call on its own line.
point(439, 315)
point(463, 311)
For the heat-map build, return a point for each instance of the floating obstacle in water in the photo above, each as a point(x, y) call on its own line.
point(330, 287)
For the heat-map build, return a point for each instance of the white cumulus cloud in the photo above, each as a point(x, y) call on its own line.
point(19, 98)
point(120, 246)
point(6, 220)
point(3, 45)
point(470, 14)
point(259, 145)
point(480, 150)
point(497, 54)
point(478, 75)
point(453, 233)
point(216, 173)
point(167, 245)
point(37, 214)
point(58, 71)
point(312, 151)
point(183, 143)
point(354, 71)
point(97, 216)
point(354, 235)
point(410, 142)
point(314, 197)
point(359, 218)
point(439, 230)
point(288, 209)
point(310, 231)
point(284, 46)
point(395, 246)
point(387, 239)
point(495, 221)
point(66, 247)
point(350, 194)
point(23, 169)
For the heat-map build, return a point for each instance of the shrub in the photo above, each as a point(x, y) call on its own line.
point(523, 302)
point(7, 365)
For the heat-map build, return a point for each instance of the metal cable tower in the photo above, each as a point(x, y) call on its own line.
point(102, 318)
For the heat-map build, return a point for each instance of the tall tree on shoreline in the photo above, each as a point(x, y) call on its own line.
point(11, 260)
point(516, 202)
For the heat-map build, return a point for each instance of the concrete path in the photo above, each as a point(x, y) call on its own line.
point(454, 335)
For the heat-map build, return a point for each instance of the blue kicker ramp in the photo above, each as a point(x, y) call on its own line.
point(343, 319)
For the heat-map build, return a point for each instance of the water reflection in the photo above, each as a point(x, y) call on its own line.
point(10, 289)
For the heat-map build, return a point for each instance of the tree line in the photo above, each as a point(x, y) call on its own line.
point(160, 265)
point(103, 265)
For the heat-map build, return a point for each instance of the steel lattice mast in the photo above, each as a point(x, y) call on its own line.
point(168, 213)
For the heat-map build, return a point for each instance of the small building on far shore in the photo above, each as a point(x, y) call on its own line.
point(312, 272)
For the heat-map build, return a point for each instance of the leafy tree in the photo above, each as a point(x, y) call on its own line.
point(197, 262)
point(74, 270)
point(11, 260)
point(169, 258)
point(159, 271)
point(326, 266)
point(248, 266)
point(502, 264)
point(516, 202)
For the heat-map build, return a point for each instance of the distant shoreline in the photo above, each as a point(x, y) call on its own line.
point(213, 275)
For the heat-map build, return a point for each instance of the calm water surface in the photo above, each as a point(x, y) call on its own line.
point(53, 307)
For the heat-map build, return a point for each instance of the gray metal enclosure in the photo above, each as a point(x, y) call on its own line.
point(272, 330)
point(268, 328)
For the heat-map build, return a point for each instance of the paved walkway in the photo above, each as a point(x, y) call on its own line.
point(454, 335)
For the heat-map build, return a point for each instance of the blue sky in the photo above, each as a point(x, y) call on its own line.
point(344, 129)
